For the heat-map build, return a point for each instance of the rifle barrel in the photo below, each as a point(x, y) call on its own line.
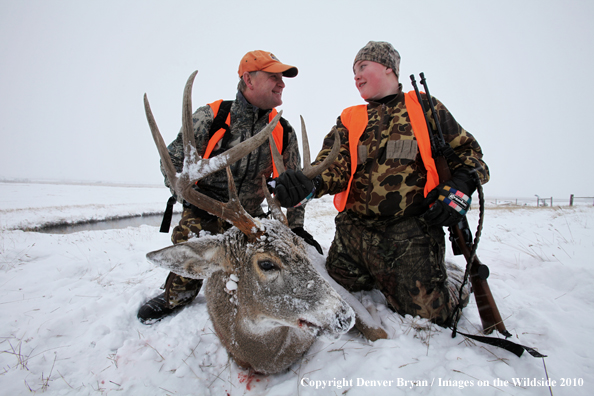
point(429, 98)
point(420, 99)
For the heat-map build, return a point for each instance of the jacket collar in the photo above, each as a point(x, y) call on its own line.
point(246, 107)
point(390, 100)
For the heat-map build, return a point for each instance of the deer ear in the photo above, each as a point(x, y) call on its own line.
point(196, 259)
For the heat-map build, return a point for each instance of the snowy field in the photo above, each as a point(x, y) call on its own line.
point(68, 305)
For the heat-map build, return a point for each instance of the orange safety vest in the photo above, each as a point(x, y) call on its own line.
point(277, 133)
point(355, 119)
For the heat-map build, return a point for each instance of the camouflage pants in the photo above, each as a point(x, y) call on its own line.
point(178, 289)
point(404, 260)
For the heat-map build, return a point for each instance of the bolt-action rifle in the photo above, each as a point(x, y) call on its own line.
point(460, 233)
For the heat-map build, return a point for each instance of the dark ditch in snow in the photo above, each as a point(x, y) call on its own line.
point(108, 224)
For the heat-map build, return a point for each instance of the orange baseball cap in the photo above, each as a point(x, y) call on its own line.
point(265, 61)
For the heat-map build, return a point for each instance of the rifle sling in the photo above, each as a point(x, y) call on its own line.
point(166, 223)
point(512, 347)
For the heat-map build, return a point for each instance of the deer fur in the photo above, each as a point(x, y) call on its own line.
point(279, 304)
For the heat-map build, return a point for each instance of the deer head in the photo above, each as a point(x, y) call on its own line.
point(266, 300)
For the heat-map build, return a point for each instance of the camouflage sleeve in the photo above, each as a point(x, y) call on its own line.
point(336, 177)
point(462, 141)
point(292, 160)
point(202, 119)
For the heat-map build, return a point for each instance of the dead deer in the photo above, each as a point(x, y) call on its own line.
point(265, 299)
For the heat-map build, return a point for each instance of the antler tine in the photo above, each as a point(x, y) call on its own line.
point(308, 170)
point(187, 123)
point(313, 171)
point(274, 204)
point(161, 147)
point(276, 156)
point(247, 146)
point(305, 143)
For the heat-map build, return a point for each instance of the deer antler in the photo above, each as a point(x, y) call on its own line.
point(196, 167)
point(309, 171)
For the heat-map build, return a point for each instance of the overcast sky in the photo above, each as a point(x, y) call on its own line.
point(517, 74)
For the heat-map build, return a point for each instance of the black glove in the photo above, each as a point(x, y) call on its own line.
point(451, 200)
point(292, 188)
point(307, 237)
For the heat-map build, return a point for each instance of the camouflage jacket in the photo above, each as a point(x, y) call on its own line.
point(246, 121)
point(390, 175)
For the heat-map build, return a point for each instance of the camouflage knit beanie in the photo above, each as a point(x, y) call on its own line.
point(382, 53)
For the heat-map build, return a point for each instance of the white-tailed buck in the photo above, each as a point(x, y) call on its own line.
point(266, 301)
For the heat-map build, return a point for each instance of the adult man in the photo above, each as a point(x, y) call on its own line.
point(386, 235)
point(260, 90)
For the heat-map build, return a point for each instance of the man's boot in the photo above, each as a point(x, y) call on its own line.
point(179, 292)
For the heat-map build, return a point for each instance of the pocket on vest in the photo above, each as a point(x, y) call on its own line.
point(361, 154)
point(402, 149)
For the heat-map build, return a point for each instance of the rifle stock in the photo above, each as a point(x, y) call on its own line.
point(488, 311)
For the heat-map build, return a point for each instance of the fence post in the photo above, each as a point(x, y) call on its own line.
point(571, 200)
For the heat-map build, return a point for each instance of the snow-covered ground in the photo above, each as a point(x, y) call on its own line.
point(68, 305)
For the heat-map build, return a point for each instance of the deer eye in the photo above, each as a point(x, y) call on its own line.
point(266, 265)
